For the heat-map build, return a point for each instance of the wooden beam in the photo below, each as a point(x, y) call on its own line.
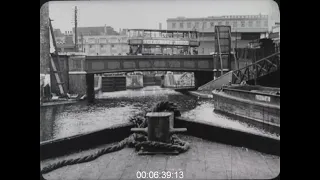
point(218, 37)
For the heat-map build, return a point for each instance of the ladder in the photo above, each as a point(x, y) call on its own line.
point(55, 65)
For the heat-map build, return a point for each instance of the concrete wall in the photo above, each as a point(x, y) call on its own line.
point(169, 80)
point(217, 83)
point(185, 80)
point(77, 76)
point(77, 84)
point(134, 81)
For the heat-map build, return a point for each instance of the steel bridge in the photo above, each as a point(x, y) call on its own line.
point(187, 63)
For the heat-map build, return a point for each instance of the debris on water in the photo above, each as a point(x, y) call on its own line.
point(83, 97)
point(55, 97)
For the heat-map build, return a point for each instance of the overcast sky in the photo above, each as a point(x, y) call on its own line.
point(147, 14)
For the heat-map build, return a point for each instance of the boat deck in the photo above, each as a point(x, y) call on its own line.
point(204, 160)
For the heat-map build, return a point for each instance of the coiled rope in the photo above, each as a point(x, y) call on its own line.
point(134, 140)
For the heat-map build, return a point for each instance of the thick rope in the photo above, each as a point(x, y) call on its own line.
point(134, 140)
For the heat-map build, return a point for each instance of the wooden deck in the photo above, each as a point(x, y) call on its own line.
point(204, 160)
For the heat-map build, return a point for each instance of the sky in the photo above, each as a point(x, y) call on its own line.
point(147, 14)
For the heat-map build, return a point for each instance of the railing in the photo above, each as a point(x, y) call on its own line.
point(260, 68)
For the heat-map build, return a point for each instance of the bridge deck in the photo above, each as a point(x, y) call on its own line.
point(204, 160)
point(101, 64)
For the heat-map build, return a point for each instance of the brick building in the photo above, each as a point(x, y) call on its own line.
point(244, 28)
point(102, 41)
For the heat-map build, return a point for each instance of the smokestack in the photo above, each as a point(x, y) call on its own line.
point(160, 26)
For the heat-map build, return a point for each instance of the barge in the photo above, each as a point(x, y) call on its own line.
point(257, 105)
point(212, 152)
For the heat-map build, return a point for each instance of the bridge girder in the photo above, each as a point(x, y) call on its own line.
point(106, 64)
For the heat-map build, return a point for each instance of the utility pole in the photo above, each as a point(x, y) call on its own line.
point(75, 29)
point(236, 38)
point(203, 21)
point(82, 42)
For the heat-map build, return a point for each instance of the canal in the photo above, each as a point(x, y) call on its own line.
point(116, 107)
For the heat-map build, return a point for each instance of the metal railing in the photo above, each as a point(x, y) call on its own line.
point(260, 68)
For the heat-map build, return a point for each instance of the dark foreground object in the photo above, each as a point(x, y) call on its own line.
point(215, 153)
point(204, 160)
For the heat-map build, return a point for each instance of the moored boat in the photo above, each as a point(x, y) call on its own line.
point(212, 152)
point(255, 104)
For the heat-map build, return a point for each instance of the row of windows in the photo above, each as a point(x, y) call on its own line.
point(102, 46)
point(206, 25)
point(103, 40)
point(248, 16)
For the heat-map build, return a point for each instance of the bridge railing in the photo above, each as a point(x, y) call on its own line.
point(260, 68)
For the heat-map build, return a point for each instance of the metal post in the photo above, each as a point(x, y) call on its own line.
point(90, 87)
point(82, 42)
point(75, 30)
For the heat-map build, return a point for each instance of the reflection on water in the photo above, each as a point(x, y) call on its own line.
point(115, 108)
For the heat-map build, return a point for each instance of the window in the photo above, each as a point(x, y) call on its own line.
point(250, 23)
point(258, 23)
point(204, 25)
point(219, 23)
point(173, 25)
point(197, 25)
point(181, 25)
point(227, 23)
point(212, 24)
point(235, 24)
point(265, 23)
point(101, 46)
point(90, 46)
point(112, 45)
point(242, 24)
point(189, 25)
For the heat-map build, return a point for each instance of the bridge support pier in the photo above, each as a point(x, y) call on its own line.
point(90, 88)
point(202, 77)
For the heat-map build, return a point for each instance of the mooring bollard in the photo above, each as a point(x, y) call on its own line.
point(160, 126)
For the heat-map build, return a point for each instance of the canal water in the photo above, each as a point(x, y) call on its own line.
point(114, 108)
